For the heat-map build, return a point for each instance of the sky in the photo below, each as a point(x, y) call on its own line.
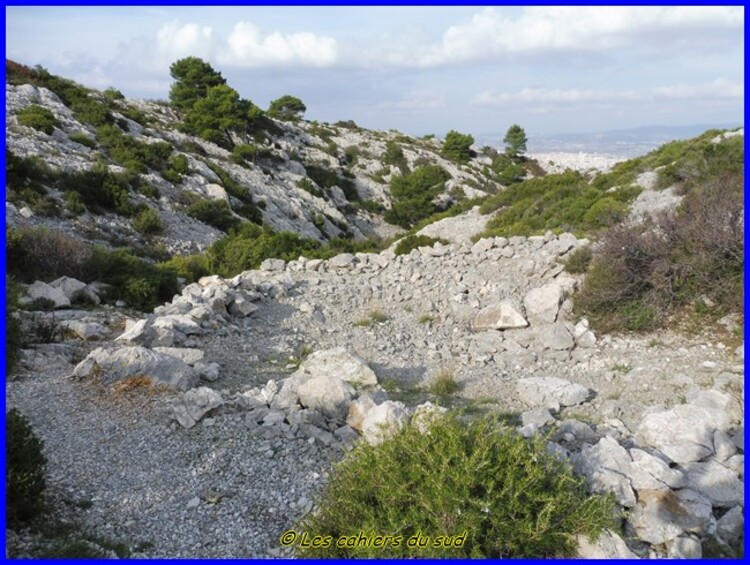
point(420, 70)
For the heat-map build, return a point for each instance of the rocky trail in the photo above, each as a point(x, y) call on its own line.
point(260, 382)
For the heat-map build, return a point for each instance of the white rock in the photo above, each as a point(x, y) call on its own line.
point(242, 307)
point(191, 406)
point(357, 411)
point(651, 473)
point(555, 337)
point(730, 526)
point(41, 290)
point(606, 466)
point(501, 316)
point(272, 265)
point(341, 261)
point(139, 333)
point(608, 546)
point(87, 331)
point(542, 304)
point(661, 516)
point(546, 391)
point(340, 363)
point(117, 364)
point(683, 433)
point(186, 354)
point(684, 547)
point(328, 395)
point(714, 481)
point(425, 414)
point(383, 420)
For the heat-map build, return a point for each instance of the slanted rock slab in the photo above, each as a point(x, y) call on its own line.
point(501, 316)
point(549, 391)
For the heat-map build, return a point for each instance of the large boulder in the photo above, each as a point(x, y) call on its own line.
point(114, 365)
point(87, 331)
point(328, 395)
point(606, 466)
point(550, 391)
point(75, 290)
point(501, 316)
point(683, 433)
point(138, 333)
point(42, 291)
point(338, 362)
point(717, 483)
point(542, 304)
point(383, 420)
point(663, 515)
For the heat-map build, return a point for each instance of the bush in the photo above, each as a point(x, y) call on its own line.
point(307, 185)
point(83, 139)
point(24, 473)
point(413, 195)
point(38, 117)
point(35, 253)
point(13, 336)
point(578, 260)
point(189, 267)
point(113, 94)
point(100, 190)
point(642, 274)
point(411, 242)
point(216, 213)
point(503, 492)
point(457, 147)
point(148, 222)
point(326, 178)
point(394, 155)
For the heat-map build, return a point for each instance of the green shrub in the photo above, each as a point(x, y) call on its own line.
point(83, 139)
point(148, 222)
point(245, 153)
point(413, 195)
point(100, 190)
point(140, 284)
point(170, 175)
point(605, 212)
point(394, 155)
point(444, 384)
point(24, 473)
point(411, 242)
point(38, 117)
point(578, 260)
point(216, 213)
point(457, 147)
point(504, 492)
point(113, 94)
point(307, 185)
point(327, 178)
point(189, 267)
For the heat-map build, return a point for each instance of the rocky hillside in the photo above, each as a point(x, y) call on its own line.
point(318, 180)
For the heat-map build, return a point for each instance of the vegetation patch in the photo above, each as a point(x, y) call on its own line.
point(407, 244)
point(413, 195)
point(38, 117)
point(498, 494)
point(24, 472)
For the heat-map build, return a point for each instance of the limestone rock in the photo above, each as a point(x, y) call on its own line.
point(273, 265)
point(606, 466)
point(340, 363)
point(684, 547)
point(501, 316)
point(661, 516)
point(186, 354)
point(683, 433)
point(341, 261)
point(117, 364)
point(383, 420)
point(42, 291)
point(546, 391)
point(608, 546)
point(328, 395)
point(714, 481)
point(358, 410)
point(542, 304)
point(87, 331)
point(191, 406)
point(555, 337)
point(730, 526)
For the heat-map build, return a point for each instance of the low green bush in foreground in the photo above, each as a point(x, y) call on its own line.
point(24, 474)
point(504, 491)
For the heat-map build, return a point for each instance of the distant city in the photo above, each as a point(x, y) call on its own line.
point(616, 143)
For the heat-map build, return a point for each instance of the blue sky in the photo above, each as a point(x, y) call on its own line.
point(417, 69)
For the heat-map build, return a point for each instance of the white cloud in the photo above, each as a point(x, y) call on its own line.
point(175, 40)
point(248, 46)
point(720, 89)
point(541, 30)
